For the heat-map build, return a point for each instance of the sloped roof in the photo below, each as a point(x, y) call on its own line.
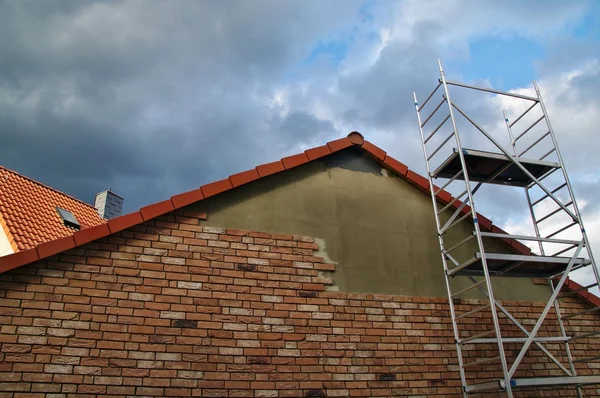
point(181, 200)
point(28, 212)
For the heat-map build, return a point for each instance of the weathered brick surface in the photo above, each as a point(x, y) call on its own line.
point(171, 308)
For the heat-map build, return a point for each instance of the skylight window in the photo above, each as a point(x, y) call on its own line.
point(68, 218)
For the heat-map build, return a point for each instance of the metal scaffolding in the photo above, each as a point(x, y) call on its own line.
point(507, 168)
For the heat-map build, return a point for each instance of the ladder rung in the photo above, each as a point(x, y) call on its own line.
point(534, 144)
point(481, 361)
point(441, 145)
point(586, 335)
point(588, 359)
point(477, 336)
point(436, 130)
point(455, 223)
point(433, 113)
point(548, 153)
point(546, 195)
point(529, 128)
point(523, 114)
point(548, 174)
point(564, 250)
point(560, 230)
point(522, 340)
point(584, 312)
point(468, 238)
point(466, 289)
point(553, 212)
point(525, 237)
point(452, 201)
point(463, 265)
point(473, 312)
point(430, 95)
point(574, 292)
point(448, 182)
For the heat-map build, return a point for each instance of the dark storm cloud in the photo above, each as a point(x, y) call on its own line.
point(154, 98)
point(151, 99)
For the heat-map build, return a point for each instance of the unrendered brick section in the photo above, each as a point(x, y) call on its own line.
point(172, 308)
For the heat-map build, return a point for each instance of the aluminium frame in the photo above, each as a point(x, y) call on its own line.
point(453, 267)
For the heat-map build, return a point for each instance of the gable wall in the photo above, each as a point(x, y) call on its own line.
point(378, 228)
point(175, 308)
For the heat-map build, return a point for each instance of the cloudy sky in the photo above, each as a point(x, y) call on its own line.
point(153, 98)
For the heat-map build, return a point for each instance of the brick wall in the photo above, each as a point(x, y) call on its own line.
point(172, 308)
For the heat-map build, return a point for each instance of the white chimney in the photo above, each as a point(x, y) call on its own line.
point(108, 204)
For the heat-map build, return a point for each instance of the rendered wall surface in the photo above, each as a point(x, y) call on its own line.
point(378, 228)
point(176, 308)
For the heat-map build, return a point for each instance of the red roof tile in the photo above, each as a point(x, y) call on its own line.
point(294, 160)
point(28, 211)
point(36, 252)
point(318, 152)
point(244, 177)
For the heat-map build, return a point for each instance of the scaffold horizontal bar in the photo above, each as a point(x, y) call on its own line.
point(534, 143)
point(561, 230)
point(547, 216)
point(546, 195)
point(585, 335)
point(574, 292)
point(479, 336)
point(473, 311)
point(455, 223)
point(564, 250)
point(523, 114)
point(468, 238)
point(588, 359)
point(430, 95)
point(466, 289)
point(584, 312)
point(433, 113)
point(449, 182)
point(528, 128)
point(458, 268)
point(481, 362)
point(525, 237)
point(436, 129)
point(548, 153)
point(452, 201)
point(440, 146)
point(489, 90)
point(521, 340)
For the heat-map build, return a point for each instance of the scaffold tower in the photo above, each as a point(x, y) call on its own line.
point(531, 161)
